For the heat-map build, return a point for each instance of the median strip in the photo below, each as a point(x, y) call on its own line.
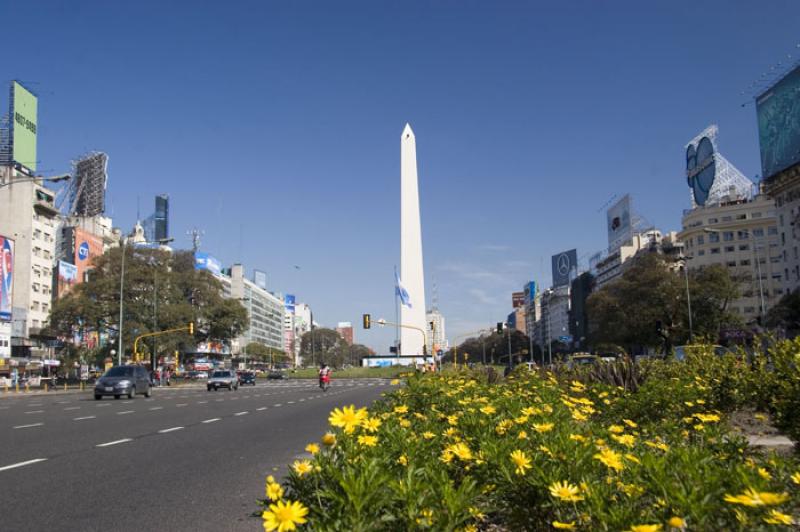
point(115, 442)
point(171, 429)
point(20, 464)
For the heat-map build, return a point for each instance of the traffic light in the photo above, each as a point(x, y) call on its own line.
point(367, 321)
point(191, 327)
point(499, 327)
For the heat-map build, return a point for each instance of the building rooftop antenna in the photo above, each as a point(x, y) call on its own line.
point(195, 235)
point(435, 296)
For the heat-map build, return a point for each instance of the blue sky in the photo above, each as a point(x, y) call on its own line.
point(275, 127)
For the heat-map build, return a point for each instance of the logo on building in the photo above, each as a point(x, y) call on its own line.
point(83, 251)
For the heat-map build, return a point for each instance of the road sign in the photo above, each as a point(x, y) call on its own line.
point(565, 338)
point(84, 372)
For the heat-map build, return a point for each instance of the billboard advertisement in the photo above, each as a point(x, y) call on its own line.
point(530, 293)
point(289, 302)
point(204, 261)
point(565, 267)
point(778, 112)
point(87, 247)
point(618, 223)
point(23, 125)
point(260, 278)
point(6, 277)
point(67, 277)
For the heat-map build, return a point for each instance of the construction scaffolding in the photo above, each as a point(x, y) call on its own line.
point(87, 191)
point(710, 176)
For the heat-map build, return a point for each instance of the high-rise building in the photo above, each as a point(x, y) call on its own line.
point(345, 330)
point(741, 234)
point(264, 311)
point(161, 218)
point(80, 239)
point(29, 217)
point(436, 338)
point(553, 325)
point(302, 324)
point(580, 290)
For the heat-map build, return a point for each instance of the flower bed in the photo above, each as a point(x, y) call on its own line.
point(451, 452)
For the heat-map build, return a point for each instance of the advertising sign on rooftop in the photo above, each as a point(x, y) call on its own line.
point(6, 277)
point(289, 302)
point(24, 112)
point(618, 223)
point(204, 261)
point(565, 267)
point(778, 112)
point(87, 247)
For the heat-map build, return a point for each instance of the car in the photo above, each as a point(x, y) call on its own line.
point(681, 350)
point(581, 359)
point(247, 377)
point(223, 378)
point(276, 375)
point(123, 380)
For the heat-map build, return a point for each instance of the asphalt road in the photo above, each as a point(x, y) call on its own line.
point(186, 459)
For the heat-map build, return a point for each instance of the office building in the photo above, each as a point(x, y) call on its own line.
point(345, 330)
point(436, 335)
point(553, 324)
point(741, 234)
point(264, 311)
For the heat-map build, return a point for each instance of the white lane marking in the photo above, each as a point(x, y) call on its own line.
point(84, 417)
point(27, 426)
point(301, 399)
point(262, 408)
point(34, 412)
point(241, 413)
point(277, 404)
point(234, 398)
point(34, 404)
point(156, 408)
point(21, 464)
point(171, 429)
point(182, 404)
point(107, 404)
point(290, 402)
point(213, 419)
point(115, 442)
point(3, 408)
point(201, 402)
point(62, 402)
point(126, 412)
point(72, 408)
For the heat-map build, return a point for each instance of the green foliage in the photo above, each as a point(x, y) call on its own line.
point(330, 348)
point(492, 348)
point(161, 291)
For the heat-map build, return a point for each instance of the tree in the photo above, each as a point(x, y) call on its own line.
point(263, 353)
point(786, 313)
point(161, 291)
point(323, 346)
point(647, 306)
point(495, 347)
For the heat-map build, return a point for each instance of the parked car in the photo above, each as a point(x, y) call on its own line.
point(123, 380)
point(247, 377)
point(201, 375)
point(223, 378)
point(276, 374)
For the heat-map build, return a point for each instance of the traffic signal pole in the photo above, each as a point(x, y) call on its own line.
point(189, 328)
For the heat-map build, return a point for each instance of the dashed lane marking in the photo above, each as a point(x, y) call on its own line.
point(115, 442)
point(126, 412)
point(182, 404)
point(28, 426)
point(171, 429)
point(34, 412)
point(156, 408)
point(241, 413)
point(21, 464)
point(212, 420)
point(261, 408)
point(201, 402)
point(82, 418)
point(72, 408)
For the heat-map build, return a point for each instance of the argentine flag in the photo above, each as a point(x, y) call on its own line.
point(401, 292)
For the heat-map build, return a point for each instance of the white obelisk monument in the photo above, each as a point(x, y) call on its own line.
point(411, 272)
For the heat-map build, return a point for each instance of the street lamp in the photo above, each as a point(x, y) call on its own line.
point(758, 268)
point(688, 296)
point(30, 179)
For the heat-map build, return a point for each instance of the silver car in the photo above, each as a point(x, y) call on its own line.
point(223, 378)
point(123, 380)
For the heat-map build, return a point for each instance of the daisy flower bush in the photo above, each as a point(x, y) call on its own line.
point(450, 451)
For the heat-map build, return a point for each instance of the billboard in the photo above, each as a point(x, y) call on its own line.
point(67, 277)
point(204, 261)
point(260, 278)
point(6, 277)
point(778, 112)
point(565, 267)
point(87, 247)
point(530, 293)
point(289, 302)
point(24, 109)
point(618, 223)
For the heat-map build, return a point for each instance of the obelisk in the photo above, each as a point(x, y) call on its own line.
point(411, 272)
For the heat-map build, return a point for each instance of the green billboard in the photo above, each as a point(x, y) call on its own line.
point(24, 126)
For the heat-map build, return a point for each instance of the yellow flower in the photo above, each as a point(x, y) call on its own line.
point(284, 517)
point(707, 418)
point(312, 448)
point(633, 459)
point(522, 435)
point(763, 473)
point(368, 441)
point(616, 429)
point(329, 439)
point(347, 418)
point(402, 460)
point(371, 424)
point(301, 467)
point(425, 518)
point(577, 437)
point(394, 382)
point(402, 409)
point(676, 522)
point(274, 491)
point(657, 445)
point(796, 478)
point(645, 528)
point(777, 518)
point(543, 427)
point(461, 451)
point(405, 423)
point(522, 462)
point(752, 498)
point(565, 491)
point(630, 423)
point(578, 416)
point(488, 410)
point(611, 459)
point(563, 526)
point(625, 439)
point(428, 435)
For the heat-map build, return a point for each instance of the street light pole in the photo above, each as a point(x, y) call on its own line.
point(688, 296)
point(121, 300)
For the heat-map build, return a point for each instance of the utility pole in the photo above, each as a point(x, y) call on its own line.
point(121, 300)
